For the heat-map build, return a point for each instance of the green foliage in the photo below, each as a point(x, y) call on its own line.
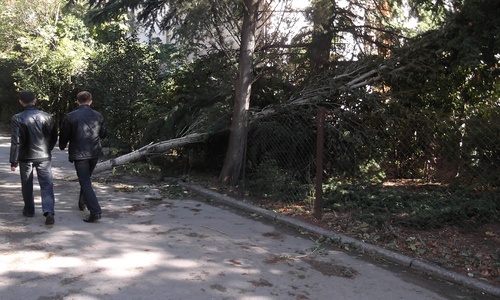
point(451, 113)
point(271, 182)
point(372, 171)
point(433, 118)
point(198, 98)
point(480, 150)
point(49, 47)
point(286, 139)
point(54, 56)
point(274, 85)
point(191, 23)
point(350, 141)
point(193, 105)
point(128, 94)
point(8, 94)
point(412, 205)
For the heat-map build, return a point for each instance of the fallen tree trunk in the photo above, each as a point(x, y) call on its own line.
point(152, 149)
point(358, 79)
point(161, 147)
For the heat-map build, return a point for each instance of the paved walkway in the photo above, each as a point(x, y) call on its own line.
point(148, 246)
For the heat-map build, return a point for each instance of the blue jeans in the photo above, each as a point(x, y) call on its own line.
point(44, 175)
point(84, 169)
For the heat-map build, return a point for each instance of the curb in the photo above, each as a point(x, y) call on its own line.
point(397, 258)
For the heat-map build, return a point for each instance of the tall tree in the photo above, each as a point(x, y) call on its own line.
point(207, 22)
point(237, 141)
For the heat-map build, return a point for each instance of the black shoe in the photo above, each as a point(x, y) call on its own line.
point(27, 214)
point(49, 219)
point(92, 218)
point(81, 204)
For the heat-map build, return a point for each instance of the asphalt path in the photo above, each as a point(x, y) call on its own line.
point(149, 246)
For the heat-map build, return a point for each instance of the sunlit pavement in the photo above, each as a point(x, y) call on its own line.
point(150, 247)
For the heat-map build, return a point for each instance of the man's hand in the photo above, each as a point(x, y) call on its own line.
point(13, 169)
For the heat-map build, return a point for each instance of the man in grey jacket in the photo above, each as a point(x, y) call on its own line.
point(84, 128)
point(33, 137)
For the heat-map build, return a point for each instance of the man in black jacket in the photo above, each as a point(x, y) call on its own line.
point(33, 137)
point(84, 128)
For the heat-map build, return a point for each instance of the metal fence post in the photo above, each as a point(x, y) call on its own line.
point(318, 203)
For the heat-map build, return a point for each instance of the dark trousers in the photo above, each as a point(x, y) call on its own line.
point(44, 175)
point(84, 169)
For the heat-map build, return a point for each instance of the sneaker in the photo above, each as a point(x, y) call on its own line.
point(49, 219)
point(92, 218)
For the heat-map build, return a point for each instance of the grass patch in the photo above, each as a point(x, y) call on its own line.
point(414, 205)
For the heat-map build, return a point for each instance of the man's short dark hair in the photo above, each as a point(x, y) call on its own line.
point(27, 97)
point(84, 97)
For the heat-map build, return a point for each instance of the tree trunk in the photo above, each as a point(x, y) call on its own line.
point(323, 17)
point(152, 149)
point(235, 155)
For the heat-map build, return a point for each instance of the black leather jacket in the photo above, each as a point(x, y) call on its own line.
point(83, 128)
point(33, 136)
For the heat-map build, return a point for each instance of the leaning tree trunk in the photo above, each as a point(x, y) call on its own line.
point(235, 155)
point(152, 149)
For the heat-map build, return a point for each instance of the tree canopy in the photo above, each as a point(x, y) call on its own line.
point(351, 54)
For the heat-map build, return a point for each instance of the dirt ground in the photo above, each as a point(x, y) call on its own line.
point(475, 254)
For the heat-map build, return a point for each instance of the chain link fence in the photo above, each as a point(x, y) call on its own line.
point(386, 173)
